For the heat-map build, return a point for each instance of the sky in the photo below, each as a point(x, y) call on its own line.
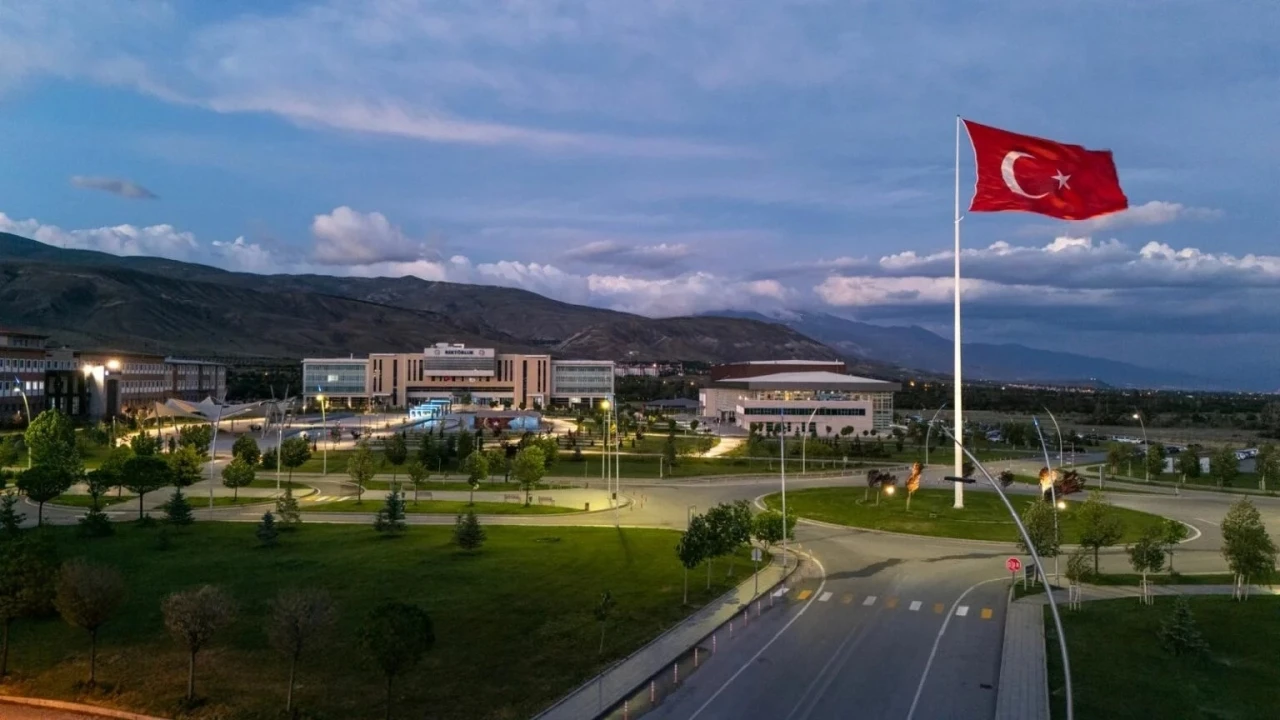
point(668, 157)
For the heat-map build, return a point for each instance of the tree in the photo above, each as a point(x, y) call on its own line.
point(237, 474)
point(396, 635)
point(43, 483)
point(738, 527)
point(390, 519)
point(246, 448)
point(144, 444)
point(294, 452)
point(550, 452)
point(1267, 464)
point(467, 533)
point(360, 467)
point(9, 451)
point(1038, 519)
point(396, 452)
point(693, 548)
point(1147, 555)
point(722, 534)
point(86, 597)
point(1224, 467)
point(1189, 463)
point(196, 437)
point(10, 519)
point(428, 451)
point(1179, 633)
point(1118, 455)
point(528, 467)
point(1172, 532)
point(98, 482)
point(466, 443)
point(287, 510)
point(1100, 526)
point(28, 572)
point(498, 465)
point(767, 528)
point(194, 617)
point(177, 511)
point(266, 531)
point(604, 608)
point(418, 474)
point(669, 451)
point(299, 619)
point(185, 465)
point(476, 466)
point(269, 459)
point(1078, 567)
point(1155, 460)
point(51, 440)
point(1248, 549)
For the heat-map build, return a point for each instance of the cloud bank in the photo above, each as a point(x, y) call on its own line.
point(115, 186)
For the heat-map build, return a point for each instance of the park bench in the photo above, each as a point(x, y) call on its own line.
point(426, 494)
point(510, 497)
point(544, 500)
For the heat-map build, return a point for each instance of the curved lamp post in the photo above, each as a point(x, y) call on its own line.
point(1058, 430)
point(18, 384)
point(804, 441)
point(1146, 468)
point(928, 431)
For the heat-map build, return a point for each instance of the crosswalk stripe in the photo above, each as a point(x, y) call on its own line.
point(871, 600)
point(804, 594)
point(986, 613)
point(962, 610)
point(892, 602)
point(847, 599)
point(780, 591)
point(824, 596)
point(915, 605)
point(937, 608)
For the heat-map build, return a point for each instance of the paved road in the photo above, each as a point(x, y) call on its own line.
point(19, 712)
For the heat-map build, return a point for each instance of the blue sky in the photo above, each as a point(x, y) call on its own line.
point(672, 157)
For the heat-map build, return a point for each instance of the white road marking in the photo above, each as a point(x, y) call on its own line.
point(1210, 522)
point(962, 610)
point(915, 605)
point(937, 640)
point(751, 661)
point(825, 596)
point(871, 600)
point(780, 591)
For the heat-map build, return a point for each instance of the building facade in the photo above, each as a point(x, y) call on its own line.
point(766, 396)
point(581, 382)
point(22, 369)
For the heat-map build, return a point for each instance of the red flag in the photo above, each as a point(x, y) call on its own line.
point(1021, 172)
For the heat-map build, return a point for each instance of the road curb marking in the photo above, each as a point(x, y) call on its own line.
point(824, 596)
point(804, 595)
point(986, 613)
point(915, 605)
point(871, 600)
point(962, 610)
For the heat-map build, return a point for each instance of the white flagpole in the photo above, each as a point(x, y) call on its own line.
point(959, 414)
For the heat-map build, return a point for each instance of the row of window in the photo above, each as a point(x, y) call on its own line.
point(10, 388)
point(804, 412)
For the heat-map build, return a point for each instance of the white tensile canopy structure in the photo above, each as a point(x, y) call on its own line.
point(211, 410)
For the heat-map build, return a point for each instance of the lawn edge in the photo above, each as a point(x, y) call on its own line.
point(90, 711)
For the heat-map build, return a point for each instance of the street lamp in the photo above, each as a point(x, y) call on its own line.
point(1058, 430)
point(1145, 445)
point(607, 425)
point(782, 451)
point(1053, 491)
point(324, 428)
point(213, 454)
point(805, 440)
point(18, 383)
point(929, 431)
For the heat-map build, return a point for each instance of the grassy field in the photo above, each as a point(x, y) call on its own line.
point(1120, 671)
point(984, 517)
point(491, 485)
point(447, 507)
point(513, 622)
point(85, 501)
point(1132, 580)
point(270, 484)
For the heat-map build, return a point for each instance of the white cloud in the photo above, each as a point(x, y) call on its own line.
point(1155, 212)
point(617, 253)
point(350, 237)
point(160, 240)
point(115, 186)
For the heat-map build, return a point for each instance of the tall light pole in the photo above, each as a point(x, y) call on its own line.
point(1053, 491)
point(1058, 430)
point(805, 440)
point(324, 428)
point(782, 451)
point(18, 383)
point(928, 431)
point(605, 477)
point(1146, 467)
point(213, 454)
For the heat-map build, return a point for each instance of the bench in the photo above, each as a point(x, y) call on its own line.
point(544, 500)
point(426, 494)
point(509, 497)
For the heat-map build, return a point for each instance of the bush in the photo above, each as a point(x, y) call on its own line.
point(467, 533)
point(266, 532)
point(177, 511)
point(390, 518)
point(287, 511)
point(94, 524)
point(1179, 633)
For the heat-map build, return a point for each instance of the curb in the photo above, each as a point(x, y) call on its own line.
point(91, 711)
point(578, 513)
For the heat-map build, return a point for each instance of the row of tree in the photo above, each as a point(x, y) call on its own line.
point(723, 530)
point(1224, 465)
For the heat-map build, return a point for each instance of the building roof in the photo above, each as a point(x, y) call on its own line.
point(819, 380)
point(672, 402)
point(790, 362)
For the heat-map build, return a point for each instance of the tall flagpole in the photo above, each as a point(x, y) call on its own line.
point(959, 414)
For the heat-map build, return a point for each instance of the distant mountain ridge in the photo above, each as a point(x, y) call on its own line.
point(917, 348)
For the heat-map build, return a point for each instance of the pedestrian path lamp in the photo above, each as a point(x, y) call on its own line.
point(1035, 557)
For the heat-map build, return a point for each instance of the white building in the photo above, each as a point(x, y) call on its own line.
point(791, 393)
point(578, 382)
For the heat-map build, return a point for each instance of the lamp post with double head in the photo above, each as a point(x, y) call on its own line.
point(929, 431)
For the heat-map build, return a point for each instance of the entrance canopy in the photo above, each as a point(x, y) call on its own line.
point(211, 410)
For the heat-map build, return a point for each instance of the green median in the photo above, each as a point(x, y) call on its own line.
point(441, 507)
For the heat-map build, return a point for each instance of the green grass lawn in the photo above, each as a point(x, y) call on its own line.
point(513, 622)
point(1132, 579)
point(984, 517)
point(270, 484)
point(86, 501)
point(492, 485)
point(448, 507)
point(1120, 671)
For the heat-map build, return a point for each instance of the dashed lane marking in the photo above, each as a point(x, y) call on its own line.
point(824, 596)
point(986, 613)
point(915, 605)
point(937, 608)
point(962, 610)
point(891, 602)
point(780, 591)
point(871, 600)
point(804, 595)
point(847, 599)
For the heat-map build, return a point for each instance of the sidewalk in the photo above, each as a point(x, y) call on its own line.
point(610, 687)
point(1023, 691)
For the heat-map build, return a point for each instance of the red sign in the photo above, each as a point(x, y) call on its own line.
point(1014, 564)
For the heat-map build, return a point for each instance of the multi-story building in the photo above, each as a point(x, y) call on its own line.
point(581, 382)
point(22, 368)
point(791, 393)
point(195, 380)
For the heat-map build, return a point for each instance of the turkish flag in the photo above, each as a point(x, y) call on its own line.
point(1022, 172)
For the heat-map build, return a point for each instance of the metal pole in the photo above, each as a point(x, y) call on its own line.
point(929, 431)
point(1146, 467)
point(1053, 605)
point(213, 454)
point(1058, 430)
point(1053, 493)
point(958, 437)
point(805, 440)
point(782, 451)
point(279, 442)
point(18, 383)
point(324, 428)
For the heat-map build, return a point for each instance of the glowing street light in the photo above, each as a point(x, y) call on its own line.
point(888, 489)
point(324, 425)
point(1145, 465)
point(113, 364)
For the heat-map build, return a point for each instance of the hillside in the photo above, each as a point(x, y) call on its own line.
point(89, 298)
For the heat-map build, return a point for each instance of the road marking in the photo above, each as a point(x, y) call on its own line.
point(937, 608)
point(986, 613)
point(780, 591)
point(962, 610)
point(871, 600)
point(847, 599)
point(915, 605)
point(825, 596)
point(891, 602)
point(1207, 521)
point(938, 640)
point(804, 594)
point(752, 660)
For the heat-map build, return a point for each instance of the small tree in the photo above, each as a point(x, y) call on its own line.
point(10, 519)
point(465, 444)
point(396, 635)
point(1155, 460)
point(298, 620)
point(1172, 533)
point(360, 467)
point(196, 437)
point(693, 548)
point(194, 617)
point(669, 450)
point(767, 528)
point(237, 474)
point(1224, 466)
point(177, 511)
point(1078, 570)
point(246, 448)
point(1038, 519)
point(98, 482)
point(1189, 463)
point(1267, 464)
point(418, 474)
point(43, 483)
point(266, 531)
point(144, 474)
point(1248, 549)
point(1147, 556)
point(185, 466)
point(1179, 633)
point(476, 466)
point(390, 518)
point(396, 452)
point(1100, 526)
point(527, 467)
point(144, 444)
point(467, 533)
point(28, 572)
point(294, 453)
point(50, 439)
point(603, 609)
point(87, 596)
point(287, 514)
